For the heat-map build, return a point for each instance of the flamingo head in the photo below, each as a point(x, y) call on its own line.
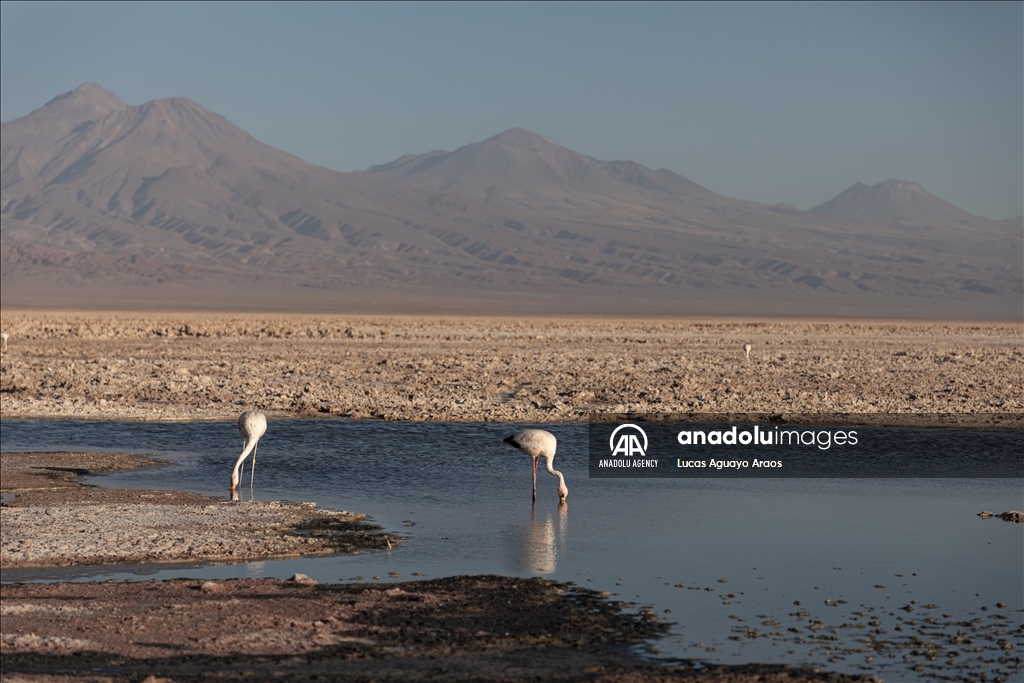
point(563, 492)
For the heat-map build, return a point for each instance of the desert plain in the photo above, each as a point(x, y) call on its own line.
point(120, 366)
point(191, 366)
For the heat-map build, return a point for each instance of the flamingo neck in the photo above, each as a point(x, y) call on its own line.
point(552, 470)
point(561, 480)
point(238, 463)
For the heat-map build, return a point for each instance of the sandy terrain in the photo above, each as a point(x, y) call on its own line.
point(56, 521)
point(203, 366)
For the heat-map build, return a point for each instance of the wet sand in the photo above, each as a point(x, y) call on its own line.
point(467, 628)
point(211, 367)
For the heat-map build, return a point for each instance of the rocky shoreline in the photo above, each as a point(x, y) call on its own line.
point(56, 521)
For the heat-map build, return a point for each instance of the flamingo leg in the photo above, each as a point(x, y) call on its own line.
point(252, 477)
point(535, 461)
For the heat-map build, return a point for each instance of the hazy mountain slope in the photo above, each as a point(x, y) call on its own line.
point(169, 194)
point(521, 168)
point(895, 201)
point(171, 181)
point(518, 163)
point(891, 238)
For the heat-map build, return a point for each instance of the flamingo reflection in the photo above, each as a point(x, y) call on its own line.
point(535, 548)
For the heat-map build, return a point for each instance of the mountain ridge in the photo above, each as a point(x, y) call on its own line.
point(168, 197)
point(517, 164)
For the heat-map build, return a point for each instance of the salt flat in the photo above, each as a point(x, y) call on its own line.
point(201, 366)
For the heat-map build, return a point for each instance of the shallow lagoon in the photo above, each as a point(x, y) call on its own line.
point(462, 499)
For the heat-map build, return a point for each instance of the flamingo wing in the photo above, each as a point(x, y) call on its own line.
point(534, 442)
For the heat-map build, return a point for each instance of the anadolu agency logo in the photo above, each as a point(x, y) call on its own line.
point(628, 445)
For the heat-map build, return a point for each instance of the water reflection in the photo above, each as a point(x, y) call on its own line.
point(255, 569)
point(535, 548)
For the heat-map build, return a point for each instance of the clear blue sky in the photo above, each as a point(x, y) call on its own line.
point(769, 102)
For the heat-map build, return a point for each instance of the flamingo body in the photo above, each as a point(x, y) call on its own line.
point(538, 444)
point(253, 425)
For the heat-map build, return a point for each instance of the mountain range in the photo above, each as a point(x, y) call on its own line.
point(167, 204)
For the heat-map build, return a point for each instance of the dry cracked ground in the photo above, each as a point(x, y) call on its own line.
point(205, 366)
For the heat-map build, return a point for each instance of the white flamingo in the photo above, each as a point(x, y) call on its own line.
point(538, 444)
point(253, 425)
point(746, 349)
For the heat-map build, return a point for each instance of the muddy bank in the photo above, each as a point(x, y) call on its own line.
point(204, 366)
point(57, 472)
point(56, 521)
point(479, 628)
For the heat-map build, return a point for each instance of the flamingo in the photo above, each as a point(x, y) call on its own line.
point(746, 349)
point(253, 425)
point(538, 444)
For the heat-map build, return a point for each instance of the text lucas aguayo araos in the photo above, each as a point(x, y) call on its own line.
point(628, 446)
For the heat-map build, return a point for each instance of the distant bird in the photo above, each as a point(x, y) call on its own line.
point(538, 444)
point(3, 341)
point(253, 425)
point(746, 348)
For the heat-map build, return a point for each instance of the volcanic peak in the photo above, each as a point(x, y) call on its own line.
point(894, 201)
point(87, 100)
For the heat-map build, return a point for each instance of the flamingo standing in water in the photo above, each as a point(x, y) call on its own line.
point(538, 444)
point(253, 425)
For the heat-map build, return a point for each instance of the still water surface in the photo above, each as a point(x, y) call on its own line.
point(462, 499)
